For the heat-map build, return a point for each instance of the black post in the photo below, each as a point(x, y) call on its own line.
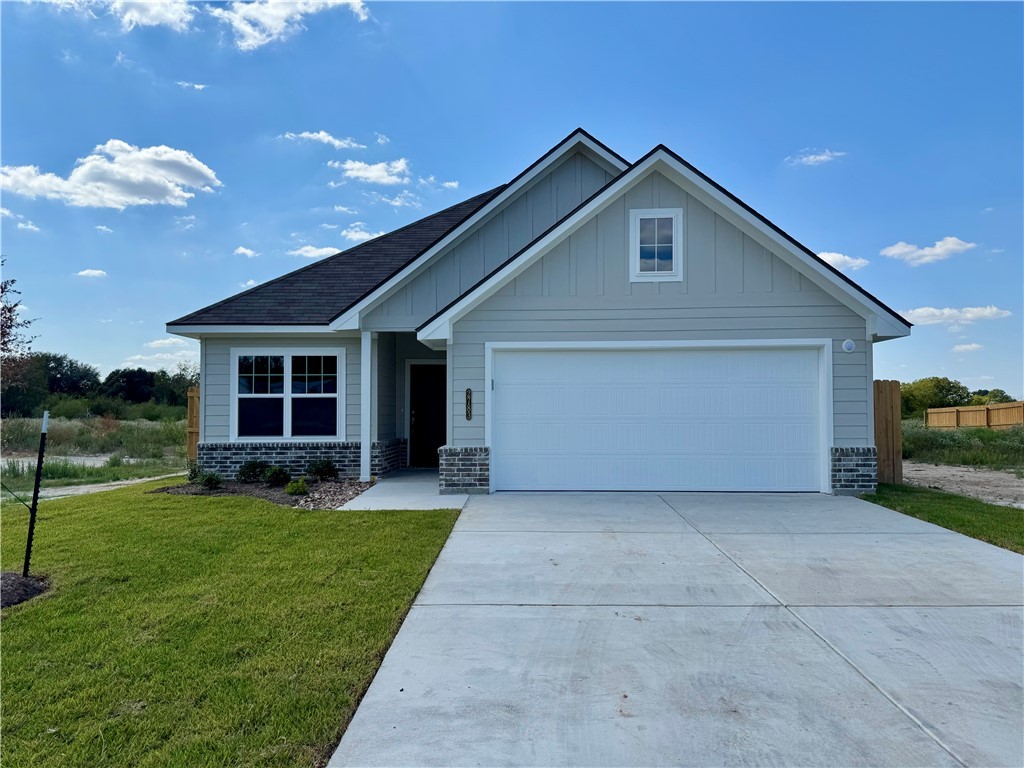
point(35, 494)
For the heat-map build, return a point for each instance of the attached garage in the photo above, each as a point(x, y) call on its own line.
point(649, 418)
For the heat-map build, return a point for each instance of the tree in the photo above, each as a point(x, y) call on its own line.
point(65, 376)
point(13, 342)
point(990, 397)
point(172, 388)
point(933, 392)
point(133, 385)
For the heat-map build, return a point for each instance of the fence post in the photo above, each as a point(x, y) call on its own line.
point(192, 425)
point(888, 432)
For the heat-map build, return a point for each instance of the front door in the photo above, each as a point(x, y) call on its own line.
point(427, 385)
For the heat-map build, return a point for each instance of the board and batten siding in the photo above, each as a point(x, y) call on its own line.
point(215, 386)
point(732, 288)
point(534, 210)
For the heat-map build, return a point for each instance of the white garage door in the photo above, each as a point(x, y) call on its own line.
point(656, 419)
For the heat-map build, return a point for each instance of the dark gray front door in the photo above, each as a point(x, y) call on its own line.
point(426, 413)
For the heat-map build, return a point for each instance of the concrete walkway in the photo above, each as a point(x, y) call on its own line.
point(701, 629)
point(406, 489)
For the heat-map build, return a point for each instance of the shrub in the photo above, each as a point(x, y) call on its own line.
point(210, 480)
point(297, 487)
point(322, 469)
point(252, 471)
point(192, 470)
point(276, 476)
point(115, 460)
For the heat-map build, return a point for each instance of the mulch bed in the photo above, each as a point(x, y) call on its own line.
point(15, 588)
point(326, 494)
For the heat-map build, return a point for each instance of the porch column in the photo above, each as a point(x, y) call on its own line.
point(367, 401)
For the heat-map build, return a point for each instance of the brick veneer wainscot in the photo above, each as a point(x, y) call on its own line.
point(464, 470)
point(226, 458)
point(854, 470)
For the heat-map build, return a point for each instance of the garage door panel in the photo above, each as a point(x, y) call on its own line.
point(656, 420)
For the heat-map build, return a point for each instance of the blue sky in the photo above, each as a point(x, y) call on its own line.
point(889, 136)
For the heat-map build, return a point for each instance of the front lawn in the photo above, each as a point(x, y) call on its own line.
point(1002, 526)
point(184, 630)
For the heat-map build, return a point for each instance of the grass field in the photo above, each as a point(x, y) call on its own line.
point(201, 631)
point(60, 472)
point(139, 439)
point(1002, 526)
point(977, 447)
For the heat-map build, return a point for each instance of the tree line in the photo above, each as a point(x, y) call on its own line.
point(940, 392)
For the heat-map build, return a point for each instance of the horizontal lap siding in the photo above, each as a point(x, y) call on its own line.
point(732, 289)
point(215, 388)
point(477, 253)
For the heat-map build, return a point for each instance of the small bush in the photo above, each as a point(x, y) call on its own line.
point(297, 487)
point(276, 476)
point(322, 469)
point(115, 460)
point(192, 470)
point(211, 481)
point(252, 471)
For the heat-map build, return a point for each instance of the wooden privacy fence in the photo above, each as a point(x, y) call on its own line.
point(995, 416)
point(192, 425)
point(889, 432)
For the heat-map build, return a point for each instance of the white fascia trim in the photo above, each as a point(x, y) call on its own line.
point(196, 331)
point(350, 319)
point(826, 425)
point(286, 396)
point(440, 327)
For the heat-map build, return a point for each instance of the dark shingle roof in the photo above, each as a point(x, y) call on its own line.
point(318, 293)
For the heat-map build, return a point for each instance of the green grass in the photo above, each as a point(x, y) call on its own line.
point(976, 447)
point(1002, 526)
point(138, 439)
point(201, 631)
point(59, 472)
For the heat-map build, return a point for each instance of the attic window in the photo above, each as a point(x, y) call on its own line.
point(656, 240)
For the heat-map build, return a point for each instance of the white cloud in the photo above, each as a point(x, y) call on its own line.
point(450, 184)
point(328, 226)
point(842, 262)
point(988, 210)
point(23, 223)
point(170, 341)
point(335, 184)
point(248, 283)
point(388, 172)
point(404, 199)
point(249, 253)
point(176, 14)
point(117, 175)
point(973, 347)
point(915, 256)
point(91, 273)
point(382, 139)
point(431, 181)
point(122, 60)
point(194, 86)
point(952, 316)
point(345, 209)
point(357, 233)
point(808, 156)
point(312, 252)
point(257, 23)
point(185, 223)
point(162, 359)
point(103, 230)
point(325, 138)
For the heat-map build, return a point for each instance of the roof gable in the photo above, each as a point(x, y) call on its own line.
point(883, 321)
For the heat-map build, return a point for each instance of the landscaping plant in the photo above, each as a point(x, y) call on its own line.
point(322, 469)
point(276, 476)
point(297, 487)
point(252, 471)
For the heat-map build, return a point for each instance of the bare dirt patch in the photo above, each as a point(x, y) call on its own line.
point(15, 588)
point(990, 485)
point(327, 494)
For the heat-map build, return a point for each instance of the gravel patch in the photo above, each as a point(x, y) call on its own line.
point(327, 494)
point(15, 588)
point(990, 485)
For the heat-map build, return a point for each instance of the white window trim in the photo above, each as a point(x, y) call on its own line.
point(635, 275)
point(287, 353)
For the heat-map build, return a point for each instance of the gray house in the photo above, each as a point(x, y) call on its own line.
point(593, 324)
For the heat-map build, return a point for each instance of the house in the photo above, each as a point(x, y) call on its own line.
point(593, 324)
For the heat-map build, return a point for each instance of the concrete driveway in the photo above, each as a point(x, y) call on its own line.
point(701, 629)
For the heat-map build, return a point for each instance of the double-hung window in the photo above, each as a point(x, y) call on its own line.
point(287, 393)
point(656, 244)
